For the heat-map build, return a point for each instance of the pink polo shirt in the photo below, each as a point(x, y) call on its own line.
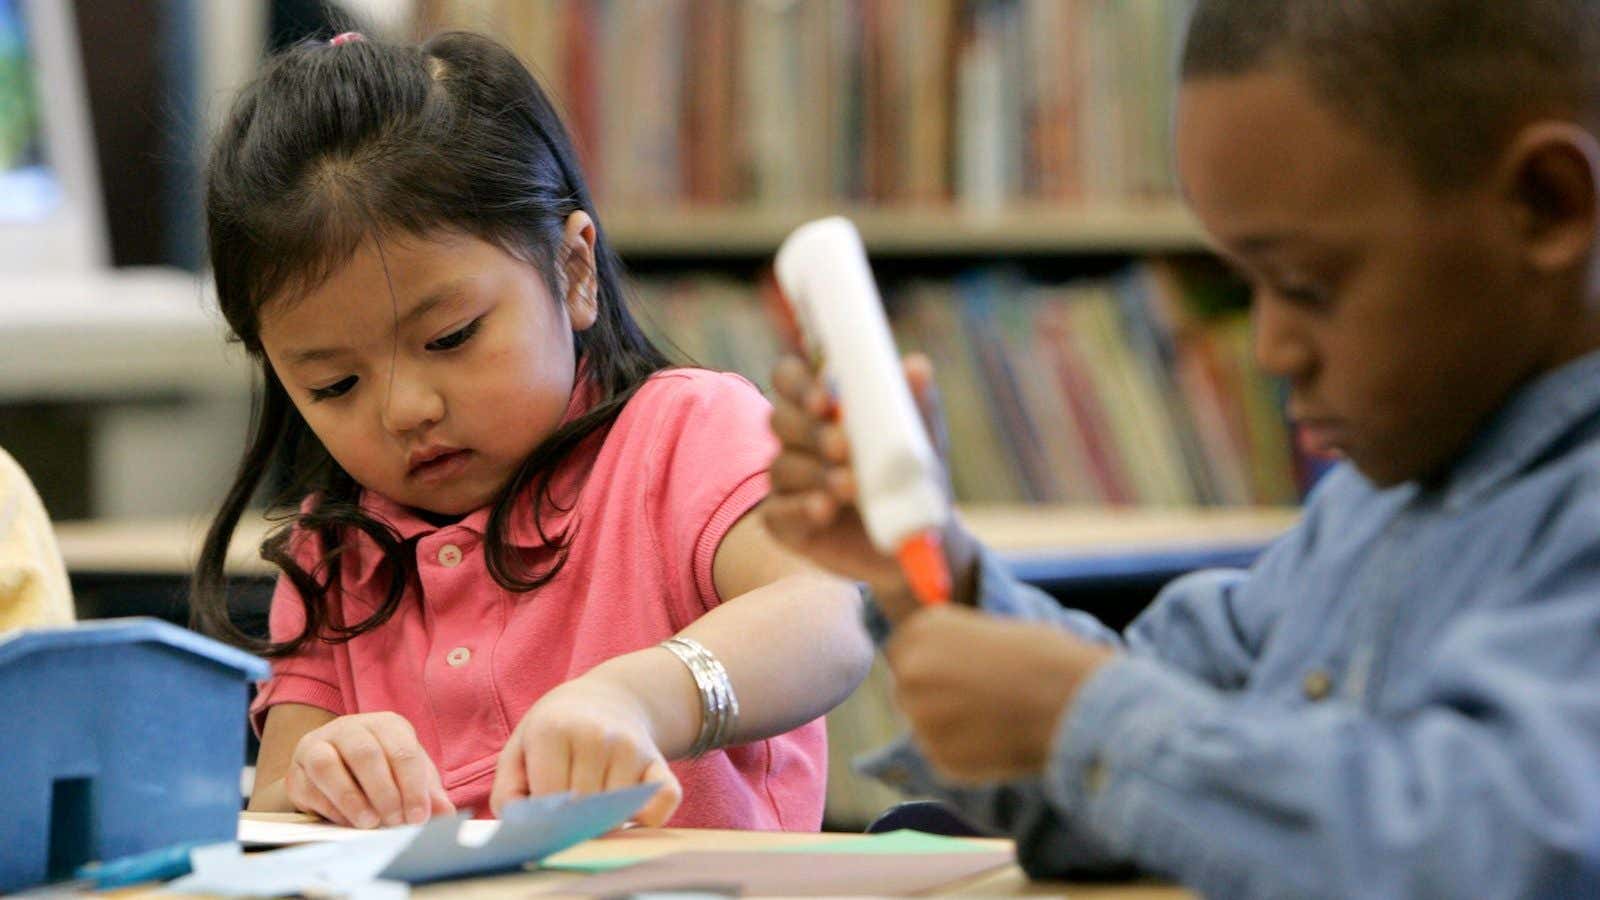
point(463, 659)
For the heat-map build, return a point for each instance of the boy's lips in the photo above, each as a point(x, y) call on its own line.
point(1321, 437)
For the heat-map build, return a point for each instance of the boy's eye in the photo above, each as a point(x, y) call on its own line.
point(337, 389)
point(1302, 295)
point(456, 338)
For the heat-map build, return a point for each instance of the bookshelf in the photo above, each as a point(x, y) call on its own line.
point(1007, 164)
point(1039, 230)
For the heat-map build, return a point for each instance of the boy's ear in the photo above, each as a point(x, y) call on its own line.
point(579, 281)
point(1554, 174)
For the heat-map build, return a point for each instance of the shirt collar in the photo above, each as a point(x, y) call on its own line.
point(1527, 427)
point(363, 557)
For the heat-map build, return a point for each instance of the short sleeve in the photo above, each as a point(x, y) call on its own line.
point(309, 676)
point(33, 582)
point(711, 448)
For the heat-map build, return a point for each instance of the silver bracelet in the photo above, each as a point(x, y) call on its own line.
point(719, 708)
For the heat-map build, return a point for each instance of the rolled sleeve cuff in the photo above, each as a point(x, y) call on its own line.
point(998, 593)
point(290, 688)
point(1105, 769)
point(900, 766)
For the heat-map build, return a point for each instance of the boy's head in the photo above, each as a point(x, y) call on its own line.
point(1410, 187)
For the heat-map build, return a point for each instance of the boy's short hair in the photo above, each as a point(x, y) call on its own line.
point(1448, 82)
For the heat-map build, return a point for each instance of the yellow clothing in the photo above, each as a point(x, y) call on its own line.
point(33, 580)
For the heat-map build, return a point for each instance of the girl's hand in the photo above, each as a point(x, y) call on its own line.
point(585, 736)
point(365, 770)
point(811, 507)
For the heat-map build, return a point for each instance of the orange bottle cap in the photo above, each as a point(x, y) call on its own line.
point(922, 560)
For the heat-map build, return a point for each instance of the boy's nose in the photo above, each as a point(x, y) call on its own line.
point(411, 403)
point(1280, 344)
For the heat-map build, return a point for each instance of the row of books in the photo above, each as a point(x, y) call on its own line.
point(1130, 390)
point(988, 103)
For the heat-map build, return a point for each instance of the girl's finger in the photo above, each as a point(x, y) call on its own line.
point(660, 807)
point(510, 775)
point(626, 767)
point(548, 760)
point(589, 757)
point(325, 771)
point(411, 768)
point(364, 755)
point(439, 803)
point(307, 798)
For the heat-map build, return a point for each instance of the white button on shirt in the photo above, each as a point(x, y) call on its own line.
point(460, 656)
point(450, 556)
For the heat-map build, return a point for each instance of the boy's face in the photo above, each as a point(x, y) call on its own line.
point(1393, 314)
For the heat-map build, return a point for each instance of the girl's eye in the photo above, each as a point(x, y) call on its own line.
point(456, 338)
point(337, 389)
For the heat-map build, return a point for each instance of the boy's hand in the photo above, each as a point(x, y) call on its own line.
point(984, 695)
point(811, 507)
point(585, 736)
point(365, 770)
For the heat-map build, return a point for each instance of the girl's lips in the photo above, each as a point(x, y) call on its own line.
point(440, 467)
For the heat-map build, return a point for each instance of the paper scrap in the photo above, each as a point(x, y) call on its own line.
point(591, 866)
point(445, 847)
point(257, 832)
point(904, 840)
point(793, 874)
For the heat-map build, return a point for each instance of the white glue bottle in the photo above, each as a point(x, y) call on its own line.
point(823, 276)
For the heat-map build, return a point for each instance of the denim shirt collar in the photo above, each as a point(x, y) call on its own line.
point(1537, 416)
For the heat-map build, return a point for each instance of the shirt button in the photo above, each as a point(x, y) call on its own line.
point(450, 556)
point(1317, 685)
point(458, 657)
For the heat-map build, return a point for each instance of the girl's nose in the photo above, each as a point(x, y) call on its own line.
point(411, 403)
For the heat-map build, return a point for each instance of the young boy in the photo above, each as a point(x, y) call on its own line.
point(1402, 697)
point(33, 582)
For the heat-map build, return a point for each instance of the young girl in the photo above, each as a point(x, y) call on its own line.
point(522, 561)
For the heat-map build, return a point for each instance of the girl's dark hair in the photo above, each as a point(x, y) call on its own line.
point(331, 144)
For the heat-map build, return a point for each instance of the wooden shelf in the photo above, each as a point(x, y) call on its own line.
point(1029, 535)
point(742, 232)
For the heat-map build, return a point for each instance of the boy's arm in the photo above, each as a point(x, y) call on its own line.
point(1484, 784)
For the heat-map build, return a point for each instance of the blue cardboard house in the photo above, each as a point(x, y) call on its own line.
point(116, 737)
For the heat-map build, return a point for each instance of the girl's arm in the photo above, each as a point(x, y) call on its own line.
point(363, 770)
point(789, 636)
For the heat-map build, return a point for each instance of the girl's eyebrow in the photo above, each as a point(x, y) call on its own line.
point(444, 292)
point(450, 290)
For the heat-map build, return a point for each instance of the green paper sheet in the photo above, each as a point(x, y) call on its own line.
point(903, 841)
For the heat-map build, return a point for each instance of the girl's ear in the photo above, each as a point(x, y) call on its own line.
point(580, 285)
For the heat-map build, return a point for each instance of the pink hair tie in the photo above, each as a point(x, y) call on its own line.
point(340, 40)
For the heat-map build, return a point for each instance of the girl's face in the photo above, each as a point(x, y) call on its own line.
point(431, 367)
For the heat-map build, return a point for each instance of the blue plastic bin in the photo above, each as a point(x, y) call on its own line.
point(116, 737)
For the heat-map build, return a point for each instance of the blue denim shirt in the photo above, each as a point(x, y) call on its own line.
point(1400, 698)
